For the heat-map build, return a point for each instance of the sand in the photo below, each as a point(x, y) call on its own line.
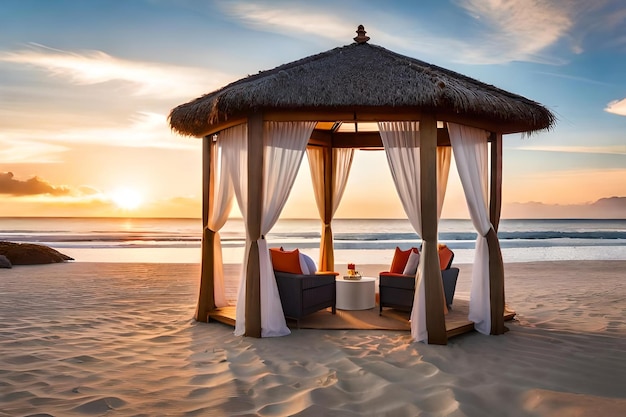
point(90, 339)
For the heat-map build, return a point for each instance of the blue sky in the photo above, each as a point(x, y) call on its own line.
point(86, 86)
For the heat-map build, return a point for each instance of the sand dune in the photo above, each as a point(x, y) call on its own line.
point(118, 339)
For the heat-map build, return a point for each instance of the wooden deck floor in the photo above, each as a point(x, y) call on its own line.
point(456, 320)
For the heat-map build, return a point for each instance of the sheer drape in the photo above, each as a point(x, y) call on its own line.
point(401, 141)
point(444, 158)
point(340, 170)
point(470, 153)
point(284, 145)
point(220, 205)
point(284, 149)
point(402, 147)
point(235, 154)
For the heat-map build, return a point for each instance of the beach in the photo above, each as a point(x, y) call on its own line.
point(119, 339)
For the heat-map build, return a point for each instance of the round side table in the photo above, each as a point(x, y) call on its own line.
point(356, 294)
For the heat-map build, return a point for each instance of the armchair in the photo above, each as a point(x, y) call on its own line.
point(397, 290)
point(302, 290)
point(301, 295)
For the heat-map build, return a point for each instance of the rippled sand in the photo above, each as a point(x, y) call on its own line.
point(119, 340)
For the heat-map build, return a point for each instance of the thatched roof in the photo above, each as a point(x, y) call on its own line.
point(362, 76)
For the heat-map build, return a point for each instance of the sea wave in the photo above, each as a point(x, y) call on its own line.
point(341, 241)
point(349, 234)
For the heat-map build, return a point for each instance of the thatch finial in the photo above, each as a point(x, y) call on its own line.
point(361, 38)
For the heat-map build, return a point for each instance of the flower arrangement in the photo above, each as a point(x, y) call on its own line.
point(352, 272)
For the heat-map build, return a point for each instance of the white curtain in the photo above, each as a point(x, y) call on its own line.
point(341, 163)
point(401, 141)
point(469, 145)
point(444, 157)
point(234, 147)
point(284, 146)
point(221, 204)
point(235, 157)
point(402, 147)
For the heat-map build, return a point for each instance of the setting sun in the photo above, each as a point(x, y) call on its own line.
point(126, 198)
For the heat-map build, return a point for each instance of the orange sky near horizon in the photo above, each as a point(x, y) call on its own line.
point(370, 193)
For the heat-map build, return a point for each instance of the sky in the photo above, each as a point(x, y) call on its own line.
point(86, 87)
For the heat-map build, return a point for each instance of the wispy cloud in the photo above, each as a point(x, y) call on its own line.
point(94, 67)
point(320, 20)
point(600, 17)
point(603, 150)
point(575, 78)
point(507, 30)
point(617, 107)
point(18, 151)
point(519, 29)
point(303, 20)
point(143, 130)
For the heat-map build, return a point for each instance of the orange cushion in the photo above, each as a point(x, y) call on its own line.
point(286, 261)
point(400, 258)
point(445, 257)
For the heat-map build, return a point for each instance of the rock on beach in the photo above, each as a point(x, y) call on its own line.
point(31, 254)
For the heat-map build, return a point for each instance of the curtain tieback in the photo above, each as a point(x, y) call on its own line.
point(491, 235)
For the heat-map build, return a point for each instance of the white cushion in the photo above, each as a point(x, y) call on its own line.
point(307, 264)
point(412, 263)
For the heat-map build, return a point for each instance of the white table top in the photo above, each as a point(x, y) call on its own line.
point(363, 279)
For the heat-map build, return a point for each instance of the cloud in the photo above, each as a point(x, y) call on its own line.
point(604, 150)
point(313, 21)
point(519, 29)
point(33, 186)
point(302, 20)
point(600, 17)
point(501, 31)
point(22, 150)
point(142, 130)
point(575, 78)
point(617, 107)
point(153, 79)
point(145, 129)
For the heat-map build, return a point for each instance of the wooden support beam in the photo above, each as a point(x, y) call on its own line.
point(496, 284)
point(435, 318)
point(327, 256)
point(362, 140)
point(368, 114)
point(206, 295)
point(495, 199)
point(253, 220)
point(321, 138)
point(496, 265)
point(388, 113)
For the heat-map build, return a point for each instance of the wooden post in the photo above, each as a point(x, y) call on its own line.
point(327, 256)
point(253, 220)
point(496, 284)
point(206, 296)
point(496, 265)
point(495, 200)
point(435, 318)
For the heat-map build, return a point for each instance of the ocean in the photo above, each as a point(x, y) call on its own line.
point(370, 241)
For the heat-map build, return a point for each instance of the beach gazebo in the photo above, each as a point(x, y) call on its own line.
point(361, 96)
